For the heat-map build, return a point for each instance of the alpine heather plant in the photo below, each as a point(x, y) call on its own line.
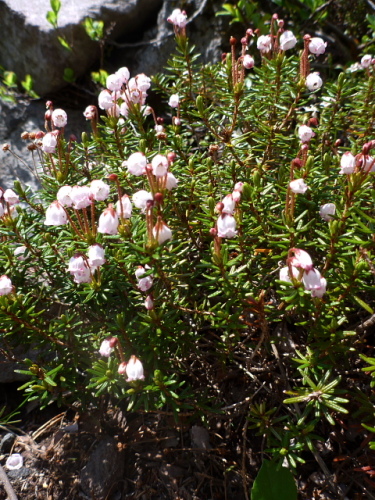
point(164, 254)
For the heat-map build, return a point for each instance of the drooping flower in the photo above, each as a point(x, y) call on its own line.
point(366, 61)
point(11, 197)
point(300, 259)
point(99, 190)
point(141, 198)
point(80, 269)
point(347, 163)
point(123, 74)
point(49, 143)
point(248, 61)
point(287, 40)
point(317, 46)
point(81, 197)
point(305, 133)
point(90, 112)
point(146, 282)
point(126, 206)
point(178, 18)
point(171, 181)
point(159, 165)
point(313, 81)
point(298, 186)
point(264, 43)
point(143, 82)
point(226, 226)
point(327, 211)
point(284, 274)
point(136, 164)
point(122, 368)
point(228, 204)
point(161, 232)
point(6, 286)
point(63, 196)
point(174, 101)
point(108, 221)
point(59, 118)
point(134, 369)
point(55, 215)
point(14, 461)
point(106, 348)
point(95, 255)
point(105, 100)
point(314, 282)
point(114, 82)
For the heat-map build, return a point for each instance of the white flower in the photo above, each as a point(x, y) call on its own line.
point(141, 198)
point(105, 100)
point(63, 196)
point(59, 118)
point(108, 221)
point(14, 461)
point(300, 259)
point(171, 182)
point(126, 205)
point(313, 81)
point(145, 283)
point(264, 43)
point(90, 112)
point(105, 348)
point(99, 190)
point(247, 61)
point(143, 82)
point(313, 281)
point(298, 186)
point(136, 164)
point(285, 276)
point(347, 163)
point(287, 40)
point(161, 232)
point(95, 255)
point(11, 197)
point(327, 210)
point(79, 269)
point(49, 143)
point(123, 74)
point(317, 46)
point(6, 286)
point(174, 101)
point(366, 61)
point(226, 226)
point(55, 215)
point(159, 165)
point(229, 204)
point(178, 18)
point(134, 369)
point(305, 133)
point(114, 82)
point(81, 197)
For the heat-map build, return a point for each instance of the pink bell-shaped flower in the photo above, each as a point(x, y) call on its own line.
point(96, 255)
point(99, 190)
point(287, 40)
point(226, 226)
point(317, 46)
point(134, 370)
point(59, 118)
point(55, 215)
point(136, 164)
point(314, 282)
point(300, 259)
point(298, 186)
point(124, 203)
point(6, 286)
point(108, 221)
point(161, 232)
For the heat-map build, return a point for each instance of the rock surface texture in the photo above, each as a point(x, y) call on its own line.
point(29, 44)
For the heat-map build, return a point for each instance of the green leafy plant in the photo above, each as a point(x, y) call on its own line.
point(226, 237)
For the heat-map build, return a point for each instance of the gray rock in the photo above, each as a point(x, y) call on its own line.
point(104, 468)
point(6, 442)
point(29, 44)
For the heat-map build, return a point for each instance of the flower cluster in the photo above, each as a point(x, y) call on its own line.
point(226, 223)
point(8, 201)
point(300, 269)
point(82, 267)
